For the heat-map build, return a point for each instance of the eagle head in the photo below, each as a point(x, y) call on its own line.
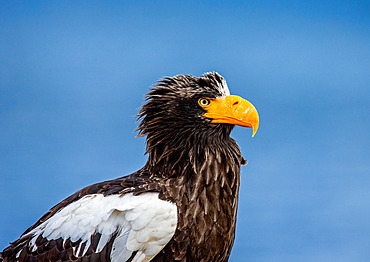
point(186, 113)
point(185, 103)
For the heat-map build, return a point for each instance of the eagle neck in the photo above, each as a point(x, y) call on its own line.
point(202, 176)
point(186, 151)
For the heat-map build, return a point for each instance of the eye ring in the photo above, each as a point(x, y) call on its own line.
point(204, 101)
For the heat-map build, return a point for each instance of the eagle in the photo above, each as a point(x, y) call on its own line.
point(181, 206)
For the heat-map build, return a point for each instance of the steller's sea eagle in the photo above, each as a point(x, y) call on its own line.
point(181, 206)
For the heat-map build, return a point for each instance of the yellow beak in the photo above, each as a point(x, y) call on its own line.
point(233, 110)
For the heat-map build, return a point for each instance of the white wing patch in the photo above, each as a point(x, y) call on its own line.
point(143, 223)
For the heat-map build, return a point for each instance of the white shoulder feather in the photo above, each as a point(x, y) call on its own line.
point(142, 223)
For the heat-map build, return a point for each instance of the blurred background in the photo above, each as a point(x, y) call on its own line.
point(74, 74)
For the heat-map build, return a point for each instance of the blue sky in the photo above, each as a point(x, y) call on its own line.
point(74, 74)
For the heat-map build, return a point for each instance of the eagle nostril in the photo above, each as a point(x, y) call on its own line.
point(235, 103)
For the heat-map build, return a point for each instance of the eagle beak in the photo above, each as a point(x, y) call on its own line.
point(233, 110)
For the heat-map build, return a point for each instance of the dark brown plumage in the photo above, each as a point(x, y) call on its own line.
point(192, 162)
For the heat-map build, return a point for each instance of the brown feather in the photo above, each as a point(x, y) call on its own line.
point(191, 162)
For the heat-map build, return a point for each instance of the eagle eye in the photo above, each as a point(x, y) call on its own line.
point(204, 102)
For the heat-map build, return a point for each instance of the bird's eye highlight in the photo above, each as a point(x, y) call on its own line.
point(204, 102)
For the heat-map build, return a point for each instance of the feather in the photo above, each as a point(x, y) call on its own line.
point(181, 206)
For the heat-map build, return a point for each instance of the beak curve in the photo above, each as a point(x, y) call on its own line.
point(233, 110)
